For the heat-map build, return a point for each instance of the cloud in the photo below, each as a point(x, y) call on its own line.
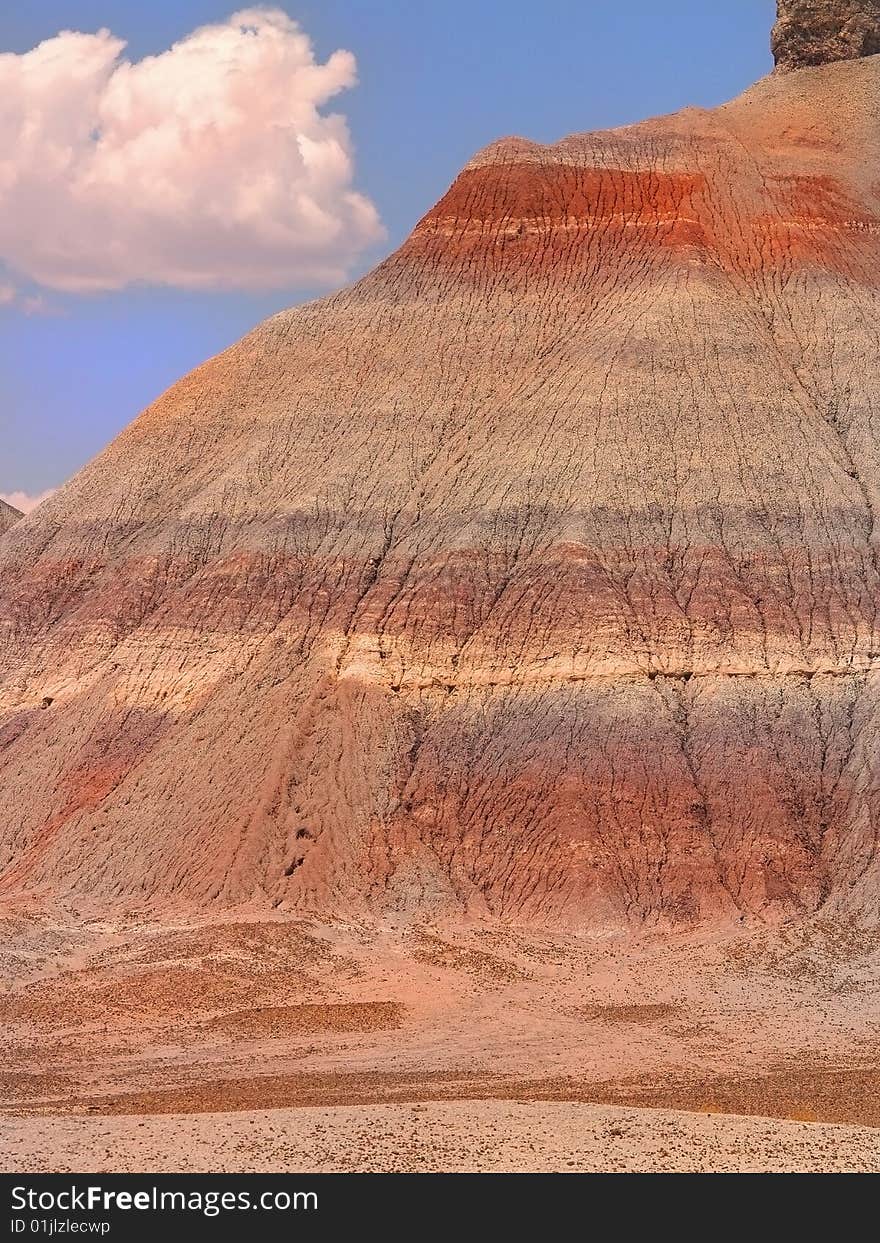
point(30, 304)
point(210, 165)
point(36, 304)
point(23, 501)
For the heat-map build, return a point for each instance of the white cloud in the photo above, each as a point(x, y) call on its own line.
point(23, 501)
point(208, 165)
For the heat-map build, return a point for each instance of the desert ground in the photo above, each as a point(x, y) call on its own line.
point(282, 1044)
point(438, 1137)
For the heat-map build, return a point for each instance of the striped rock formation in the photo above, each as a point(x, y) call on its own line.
point(534, 577)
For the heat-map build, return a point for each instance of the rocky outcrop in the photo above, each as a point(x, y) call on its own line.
point(8, 515)
point(534, 577)
point(816, 32)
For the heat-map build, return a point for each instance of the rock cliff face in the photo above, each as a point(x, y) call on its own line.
point(8, 515)
point(816, 32)
point(536, 576)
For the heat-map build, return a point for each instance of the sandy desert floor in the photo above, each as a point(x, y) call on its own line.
point(463, 1136)
point(291, 1045)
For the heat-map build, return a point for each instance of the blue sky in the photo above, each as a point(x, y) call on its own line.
point(436, 83)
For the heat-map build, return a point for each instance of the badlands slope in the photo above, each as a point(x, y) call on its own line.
point(8, 515)
point(533, 577)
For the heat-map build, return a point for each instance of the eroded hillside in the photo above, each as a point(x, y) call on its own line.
point(535, 576)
